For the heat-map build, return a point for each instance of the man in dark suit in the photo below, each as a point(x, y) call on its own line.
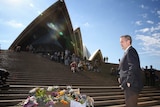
point(130, 77)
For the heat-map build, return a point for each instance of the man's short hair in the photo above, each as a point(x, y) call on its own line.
point(127, 37)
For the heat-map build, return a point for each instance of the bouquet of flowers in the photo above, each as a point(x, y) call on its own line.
point(50, 96)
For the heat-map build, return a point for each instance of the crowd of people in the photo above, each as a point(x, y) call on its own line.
point(151, 76)
point(75, 62)
point(65, 57)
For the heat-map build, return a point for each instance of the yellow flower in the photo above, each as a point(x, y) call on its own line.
point(62, 92)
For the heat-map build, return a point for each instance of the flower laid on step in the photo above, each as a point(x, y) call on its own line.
point(52, 95)
point(30, 102)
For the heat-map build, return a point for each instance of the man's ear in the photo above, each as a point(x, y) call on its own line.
point(128, 42)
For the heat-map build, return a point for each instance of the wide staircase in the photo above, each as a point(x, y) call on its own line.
point(28, 70)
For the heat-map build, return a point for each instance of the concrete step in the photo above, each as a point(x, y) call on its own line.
point(13, 102)
point(154, 103)
point(13, 96)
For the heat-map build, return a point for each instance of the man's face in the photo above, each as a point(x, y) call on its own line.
point(124, 43)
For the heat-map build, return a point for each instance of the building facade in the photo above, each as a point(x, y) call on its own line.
point(52, 31)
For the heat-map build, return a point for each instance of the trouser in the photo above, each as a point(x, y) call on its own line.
point(131, 97)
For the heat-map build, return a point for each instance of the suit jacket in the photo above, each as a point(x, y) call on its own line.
point(130, 70)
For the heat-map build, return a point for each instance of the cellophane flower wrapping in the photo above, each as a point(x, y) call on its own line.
point(53, 95)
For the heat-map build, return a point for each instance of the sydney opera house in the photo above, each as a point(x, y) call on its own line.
point(52, 31)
